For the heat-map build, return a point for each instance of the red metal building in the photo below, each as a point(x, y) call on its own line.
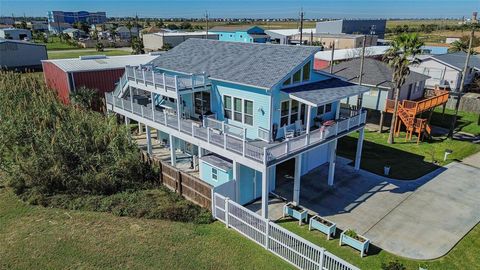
point(96, 72)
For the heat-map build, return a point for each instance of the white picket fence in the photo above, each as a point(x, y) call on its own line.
point(283, 243)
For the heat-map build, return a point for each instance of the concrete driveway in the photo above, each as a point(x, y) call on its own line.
point(421, 219)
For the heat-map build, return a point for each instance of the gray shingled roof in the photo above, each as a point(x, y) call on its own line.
point(260, 65)
point(375, 72)
point(457, 59)
point(325, 92)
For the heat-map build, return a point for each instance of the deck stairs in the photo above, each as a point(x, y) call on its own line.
point(408, 111)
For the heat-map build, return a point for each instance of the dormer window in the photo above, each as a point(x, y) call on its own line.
point(301, 75)
point(297, 77)
point(306, 72)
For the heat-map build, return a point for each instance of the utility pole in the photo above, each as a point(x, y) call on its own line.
point(331, 57)
point(206, 20)
point(301, 27)
point(460, 91)
point(311, 38)
point(360, 76)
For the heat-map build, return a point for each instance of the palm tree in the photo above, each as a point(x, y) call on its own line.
point(399, 56)
point(84, 98)
point(458, 46)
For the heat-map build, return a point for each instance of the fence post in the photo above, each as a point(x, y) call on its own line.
point(322, 257)
point(179, 182)
point(267, 232)
point(226, 211)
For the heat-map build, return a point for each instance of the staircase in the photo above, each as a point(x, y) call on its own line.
point(120, 88)
point(408, 110)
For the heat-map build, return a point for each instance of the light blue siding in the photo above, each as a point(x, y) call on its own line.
point(261, 105)
point(206, 174)
point(242, 36)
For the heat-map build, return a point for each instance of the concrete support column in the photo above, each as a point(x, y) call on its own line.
point(331, 161)
point(159, 137)
point(140, 128)
point(265, 175)
point(236, 176)
point(358, 155)
point(149, 140)
point(200, 152)
point(173, 153)
point(297, 177)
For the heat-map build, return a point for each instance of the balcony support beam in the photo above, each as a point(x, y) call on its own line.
point(173, 152)
point(297, 178)
point(358, 155)
point(265, 192)
point(149, 140)
point(331, 161)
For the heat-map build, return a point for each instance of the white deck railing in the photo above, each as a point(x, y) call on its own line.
point(283, 243)
point(150, 77)
point(233, 138)
point(315, 136)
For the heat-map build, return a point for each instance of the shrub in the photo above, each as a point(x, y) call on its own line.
point(50, 148)
point(393, 266)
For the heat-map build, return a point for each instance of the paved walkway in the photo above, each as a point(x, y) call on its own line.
point(421, 219)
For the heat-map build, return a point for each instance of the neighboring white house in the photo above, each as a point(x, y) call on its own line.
point(15, 34)
point(156, 41)
point(284, 36)
point(450, 40)
point(74, 33)
point(124, 33)
point(445, 70)
point(16, 54)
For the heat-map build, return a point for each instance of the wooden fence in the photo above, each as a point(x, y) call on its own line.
point(189, 186)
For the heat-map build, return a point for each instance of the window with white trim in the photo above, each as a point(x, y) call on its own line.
point(227, 105)
point(294, 111)
point(285, 113)
point(214, 174)
point(324, 109)
point(237, 109)
point(248, 112)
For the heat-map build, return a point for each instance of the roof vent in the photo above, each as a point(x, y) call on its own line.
point(155, 53)
point(90, 57)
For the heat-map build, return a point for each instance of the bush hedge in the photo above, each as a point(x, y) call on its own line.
point(60, 155)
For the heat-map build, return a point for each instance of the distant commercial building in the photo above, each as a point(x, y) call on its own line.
point(285, 36)
point(341, 41)
point(247, 34)
point(16, 54)
point(77, 16)
point(7, 21)
point(96, 72)
point(156, 41)
point(74, 33)
point(41, 26)
point(15, 34)
point(366, 27)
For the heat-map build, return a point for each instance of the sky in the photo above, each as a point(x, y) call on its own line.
point(251, 9)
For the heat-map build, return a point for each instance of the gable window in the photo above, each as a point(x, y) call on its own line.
point(248, 112)
point(306, 72)
point(227, 103)
point(285, 111)
point(237, 109)
point(328, 108)
point(214, 174)
point(287, 82)
point(297, 77)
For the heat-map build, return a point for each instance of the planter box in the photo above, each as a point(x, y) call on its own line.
point(296, 212)
point(361, 245)
point(325, 226)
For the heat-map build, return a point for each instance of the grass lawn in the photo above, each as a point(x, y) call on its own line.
point(54, 43)
point(463, 256)
point(34, 237)
point(75, 54)
point(403, 156)
point(466, 121)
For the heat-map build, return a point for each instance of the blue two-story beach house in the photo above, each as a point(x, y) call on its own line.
point(242, 109)
point(246, 34)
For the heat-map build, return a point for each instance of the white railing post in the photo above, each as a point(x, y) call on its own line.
point(175, 83)
point(224, 140)
point(265, 157)
point(336, 129)
point(193, 130)
point(123, 105)
point(244, 147)
point(153, 79)
point(208, 134)
point(134, 74)
point(226, 212)
point(165, 118)
point(348, 124)
point(267, 231)
point(143, 75)
point(322, 258)
point(141, 110)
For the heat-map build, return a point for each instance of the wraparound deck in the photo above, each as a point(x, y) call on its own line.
point(220, 137)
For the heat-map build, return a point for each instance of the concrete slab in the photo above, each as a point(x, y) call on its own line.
point(421, 219)
point(473, 160)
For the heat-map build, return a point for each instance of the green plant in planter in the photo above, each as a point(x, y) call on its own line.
point(351, 233)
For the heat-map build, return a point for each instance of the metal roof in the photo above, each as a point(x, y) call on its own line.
point(253, 64)
point(324, 92)
point(217, 162)
point(101, 62)
point(344, 54)
point(289, 32)
point(172, 34)
point(457, 60)
point(375, 72)
point(231, 28)
point(3, 40)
